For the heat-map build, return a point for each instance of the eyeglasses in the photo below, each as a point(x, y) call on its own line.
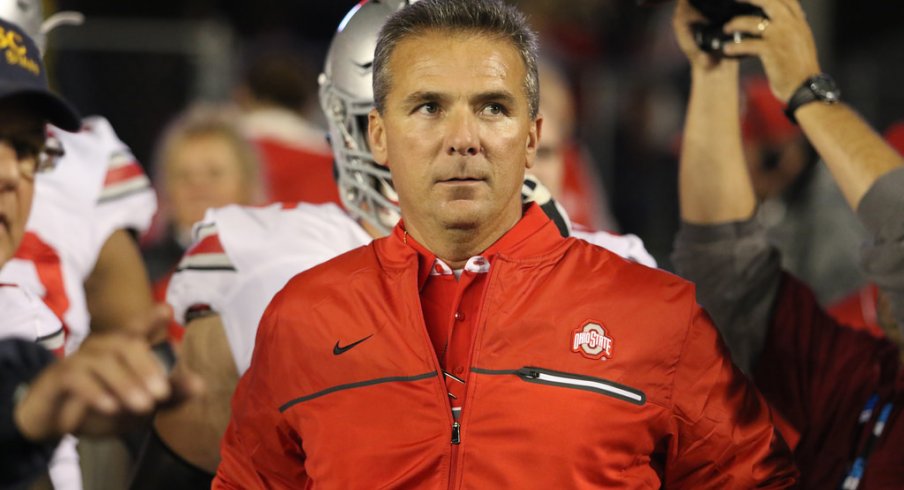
point(35, 154)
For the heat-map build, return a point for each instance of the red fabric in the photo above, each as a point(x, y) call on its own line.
point(49, 268)
point(174, 330)
point(895, 136)
point(294, 174)
point(452, 307)
point(121, 174)
point(858, 310)
point(208, 245)
point(764, 118)
point(378, 415)
point(818, 375)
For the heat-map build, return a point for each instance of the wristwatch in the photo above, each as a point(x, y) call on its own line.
point(820, 88)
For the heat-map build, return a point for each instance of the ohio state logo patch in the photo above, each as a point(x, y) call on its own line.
point(591, 341)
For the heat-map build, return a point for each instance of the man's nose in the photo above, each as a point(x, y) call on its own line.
point(9, 167)
point(462, 134)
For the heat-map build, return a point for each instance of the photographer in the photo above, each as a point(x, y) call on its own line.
point(837, 392)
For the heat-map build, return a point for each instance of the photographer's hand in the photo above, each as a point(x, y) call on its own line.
point(784, 44)
point(683, 20)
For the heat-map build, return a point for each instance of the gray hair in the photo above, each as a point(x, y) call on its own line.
point(489, 17)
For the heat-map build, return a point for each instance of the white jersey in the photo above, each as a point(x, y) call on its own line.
point(242, 256)
point(25, 316)
point(96, 188)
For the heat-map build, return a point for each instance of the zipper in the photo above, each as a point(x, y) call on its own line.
point(471, 382)
point(561, 379)
point(455, 438)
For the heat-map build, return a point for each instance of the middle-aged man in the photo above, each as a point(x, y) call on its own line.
point(475, 347)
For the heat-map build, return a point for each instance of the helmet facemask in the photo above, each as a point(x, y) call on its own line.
point(346, 97)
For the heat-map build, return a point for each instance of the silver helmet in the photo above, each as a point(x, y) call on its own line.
point(29, 15)
point(346, 97)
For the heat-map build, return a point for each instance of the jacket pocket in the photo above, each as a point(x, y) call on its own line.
point(572, 381)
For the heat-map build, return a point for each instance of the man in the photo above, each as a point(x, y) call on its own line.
point(837, 391)
point(243, 256)
point(475, 346)
point(79, 251)
point(116, 377)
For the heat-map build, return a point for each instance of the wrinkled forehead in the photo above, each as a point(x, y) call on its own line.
point(454, 57)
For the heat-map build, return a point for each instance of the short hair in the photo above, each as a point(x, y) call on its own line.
point(202, 120)
point(488, 17)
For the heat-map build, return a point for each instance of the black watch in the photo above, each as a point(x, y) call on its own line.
point(816, 88)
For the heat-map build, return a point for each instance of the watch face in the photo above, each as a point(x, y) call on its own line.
point(825, 89)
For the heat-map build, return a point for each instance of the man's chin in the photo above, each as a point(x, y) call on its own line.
point(462, 215)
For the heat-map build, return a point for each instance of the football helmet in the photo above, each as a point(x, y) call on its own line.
point(346, 97)
point(29, 15)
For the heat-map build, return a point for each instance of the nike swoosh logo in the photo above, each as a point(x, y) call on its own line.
point(341, 350)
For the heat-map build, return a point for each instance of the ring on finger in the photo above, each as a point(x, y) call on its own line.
point(762, 25)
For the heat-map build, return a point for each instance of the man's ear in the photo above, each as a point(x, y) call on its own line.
point(533, 140)
point(376, 137)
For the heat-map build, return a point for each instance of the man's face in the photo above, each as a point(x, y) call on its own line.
point(456, 131)
point(21, 139)
point(203, 171)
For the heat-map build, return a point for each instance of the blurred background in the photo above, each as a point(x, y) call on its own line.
point(616, 85)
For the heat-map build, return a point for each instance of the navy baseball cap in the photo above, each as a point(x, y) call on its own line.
point(23, 77)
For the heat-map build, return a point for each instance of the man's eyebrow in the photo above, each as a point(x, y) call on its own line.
point(502, 96)
point(417, 98)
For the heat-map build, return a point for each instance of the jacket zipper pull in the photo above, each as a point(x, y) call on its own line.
point(456, 433)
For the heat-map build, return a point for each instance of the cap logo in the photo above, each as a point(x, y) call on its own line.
point(591, 341)
point(15, 53)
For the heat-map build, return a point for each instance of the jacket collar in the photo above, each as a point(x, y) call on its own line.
point(534, 236)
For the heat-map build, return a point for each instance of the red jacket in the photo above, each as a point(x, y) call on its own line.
point(588, 371)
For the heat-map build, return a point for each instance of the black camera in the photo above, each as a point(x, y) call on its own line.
point(709, 35)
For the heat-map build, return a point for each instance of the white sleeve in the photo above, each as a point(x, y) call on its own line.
point(26, 316)
point(204, 276)
point(627, 246)
point(126, 199)
point(244, 255)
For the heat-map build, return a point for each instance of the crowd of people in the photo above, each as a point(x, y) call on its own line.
point(422, 296)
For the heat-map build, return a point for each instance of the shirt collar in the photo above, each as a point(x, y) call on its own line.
point(514, 242)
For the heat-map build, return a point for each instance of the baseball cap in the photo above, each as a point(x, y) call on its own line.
point(23, 77)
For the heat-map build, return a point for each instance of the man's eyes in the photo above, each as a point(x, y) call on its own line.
point(428, 108)
point(494, 110)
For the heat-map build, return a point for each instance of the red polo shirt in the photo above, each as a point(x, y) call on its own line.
point(452, 305)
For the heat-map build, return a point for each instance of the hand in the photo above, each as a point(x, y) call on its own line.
point(784, 44)
point(111, 381)
point(684, 17)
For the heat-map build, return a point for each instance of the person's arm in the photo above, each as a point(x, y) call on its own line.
point(854, 153)
point(719, 247)
point(118, 290)
point(101, 389)
point(205, 351)
point(726, 437)
point(882, 212)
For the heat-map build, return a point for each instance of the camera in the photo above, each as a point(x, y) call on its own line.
point(709, 35)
